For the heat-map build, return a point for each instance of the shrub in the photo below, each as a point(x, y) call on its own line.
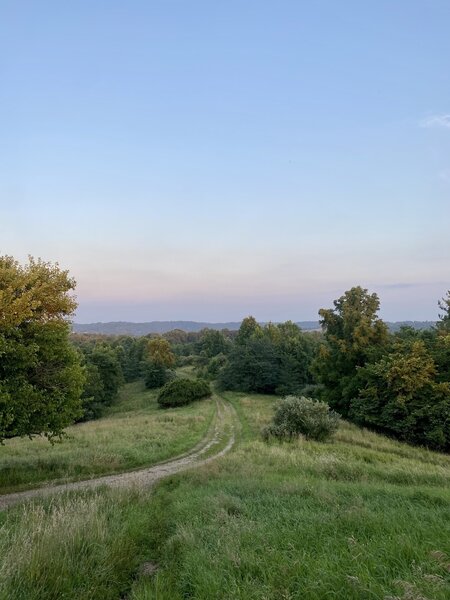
point(156, 375)
point(183, 391)
point(295, 416)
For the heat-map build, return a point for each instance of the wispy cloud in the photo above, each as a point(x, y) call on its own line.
point(436, 121)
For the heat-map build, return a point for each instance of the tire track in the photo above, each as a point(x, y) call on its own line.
point(223, 433)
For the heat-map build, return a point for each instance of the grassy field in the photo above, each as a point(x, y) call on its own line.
point(360, 517)
point(133, 433)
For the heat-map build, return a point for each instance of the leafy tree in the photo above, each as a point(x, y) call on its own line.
point(93, 393)
point(213, 367)
point(156, 375)
point(400, 396)
point(353, 335)
point(269, 359)
point(296, 352)
point(213, 342)
point(160, 359)
point(41, 378)
point(252, 366)
point(105, 359)
point(177, 336)
point(160, 352)
point(248, 329)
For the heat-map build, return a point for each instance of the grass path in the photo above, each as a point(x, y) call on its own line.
point(218, 441)
point(133, 433)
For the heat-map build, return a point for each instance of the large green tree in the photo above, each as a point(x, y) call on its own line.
point(269, 359)
point(41, 378)
point(212, 343)
point(401, 396)
point(353, 335)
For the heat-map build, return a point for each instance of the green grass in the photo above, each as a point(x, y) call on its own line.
point(133, 433)
point(360, 517)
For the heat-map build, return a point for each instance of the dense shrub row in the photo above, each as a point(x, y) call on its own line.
point(183, 391)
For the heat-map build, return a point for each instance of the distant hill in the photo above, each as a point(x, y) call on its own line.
point(126, 328)
point(137, 329)
point(395, 325)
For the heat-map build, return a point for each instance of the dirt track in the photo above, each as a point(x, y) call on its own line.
point(222, 433)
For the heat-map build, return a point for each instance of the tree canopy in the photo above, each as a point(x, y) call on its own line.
point(41, 378)
point(354, 334)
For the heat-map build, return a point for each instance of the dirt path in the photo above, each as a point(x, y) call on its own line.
point(222, 434)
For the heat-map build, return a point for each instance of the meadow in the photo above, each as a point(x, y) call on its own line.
point(358, 517)
point(133, 433)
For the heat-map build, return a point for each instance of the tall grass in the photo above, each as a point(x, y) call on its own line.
point(360, 517)
point(134, 433)
point(87, 545)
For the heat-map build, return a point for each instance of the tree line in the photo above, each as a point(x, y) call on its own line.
point(396, 383)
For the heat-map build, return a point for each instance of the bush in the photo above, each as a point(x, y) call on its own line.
point(295, 416)
point(183, 391)
point(156, 376)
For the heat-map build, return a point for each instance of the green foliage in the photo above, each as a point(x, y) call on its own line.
point(252, 365)
point(183, 391)
point(104, 377)
point(400, 396)
point(213, 367)
point(41, 378)
point(156, 375)
point(296, 352)
point(108, 361)
point(160, 352)
point(212, 343)
point(249, 328)
point(93, 393)
point(302, 416)
point(131, 353)
point(270, 359)
point(108, 365)
point(353, 335)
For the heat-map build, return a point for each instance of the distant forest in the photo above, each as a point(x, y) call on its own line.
point(138, 329)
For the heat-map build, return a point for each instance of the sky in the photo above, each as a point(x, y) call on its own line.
point(208, 160)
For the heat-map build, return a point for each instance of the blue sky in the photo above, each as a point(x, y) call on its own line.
point(206, 160)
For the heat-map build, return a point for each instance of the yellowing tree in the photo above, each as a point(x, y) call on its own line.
point(160, 352)
point(353, 334)
point(41, 378)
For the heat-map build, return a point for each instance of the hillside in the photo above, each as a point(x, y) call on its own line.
point(360, 516)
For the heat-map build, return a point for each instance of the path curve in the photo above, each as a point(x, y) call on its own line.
point(224, 431)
